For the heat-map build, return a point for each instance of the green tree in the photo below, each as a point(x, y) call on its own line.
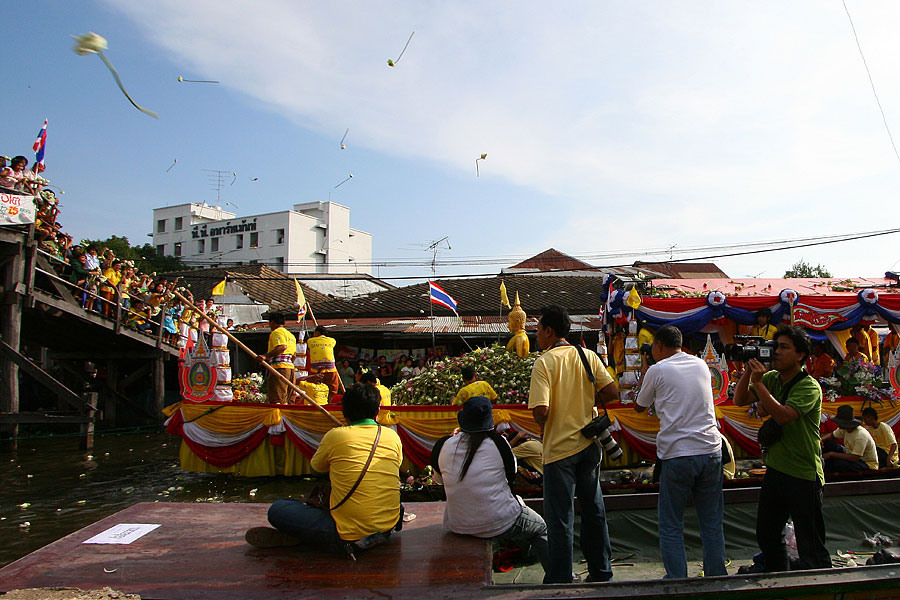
point(804, 270)
point(145, 257)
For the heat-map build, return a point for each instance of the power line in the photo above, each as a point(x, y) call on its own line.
point(871, 82)
point(792, 246)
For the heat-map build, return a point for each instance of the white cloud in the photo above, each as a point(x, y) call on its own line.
point(712, 119)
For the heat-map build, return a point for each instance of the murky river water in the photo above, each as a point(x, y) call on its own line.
point(57, 489)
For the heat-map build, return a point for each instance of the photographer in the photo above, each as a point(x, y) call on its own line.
point(689, 448)
point(793, 482)
point(563, 400)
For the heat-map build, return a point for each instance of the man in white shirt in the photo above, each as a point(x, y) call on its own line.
point(689, 447)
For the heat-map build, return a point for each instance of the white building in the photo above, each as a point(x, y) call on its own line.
point(314, 237)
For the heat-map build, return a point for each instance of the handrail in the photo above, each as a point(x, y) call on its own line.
point(120, 310)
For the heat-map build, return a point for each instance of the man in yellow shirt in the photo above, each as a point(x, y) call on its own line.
point(282, 346)
point(853, 352)
point(321, 359)
point(868, 342)
point(891, 341)
point(359, 518)
point(109, 288)
point(473, 387)
point(885, 440)
point(563, 400)
point(822, 364)
point(858, 452)
point(368, 378)
point(763, 327)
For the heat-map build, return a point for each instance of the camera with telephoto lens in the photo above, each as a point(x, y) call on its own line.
point(598, 430)
point(752, 347)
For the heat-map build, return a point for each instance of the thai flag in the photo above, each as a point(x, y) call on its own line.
point(39, 145)
point(439, 296)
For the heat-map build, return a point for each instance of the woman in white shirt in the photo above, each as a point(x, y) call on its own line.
point(477, 468)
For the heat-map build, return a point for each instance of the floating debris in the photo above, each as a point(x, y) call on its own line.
point(91, 43)
point(24, 505)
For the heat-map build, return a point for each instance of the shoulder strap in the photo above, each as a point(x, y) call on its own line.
point(787, 387)
point(364, 469)
point(509, 460)
point(590, 375)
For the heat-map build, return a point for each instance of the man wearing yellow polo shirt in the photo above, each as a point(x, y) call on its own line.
point(763, 327)
point(321, 359)
point(562, 399)
point(282, 346)
point(473, 387)
point(368, 378)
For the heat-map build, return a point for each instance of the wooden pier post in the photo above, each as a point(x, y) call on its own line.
point(11, 329)
point(86, 441)
point(159, 384)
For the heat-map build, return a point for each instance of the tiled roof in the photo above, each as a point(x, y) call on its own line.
point(258, 282)
point(481, 296)
point(552, 260)
point(682, 270)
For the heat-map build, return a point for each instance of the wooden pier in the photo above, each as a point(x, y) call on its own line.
point(91, 365)
point(199, 552)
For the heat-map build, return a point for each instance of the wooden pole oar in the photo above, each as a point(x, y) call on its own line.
point(272, 370)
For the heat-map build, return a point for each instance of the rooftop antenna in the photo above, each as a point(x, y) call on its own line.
point(216, 179)
point(672, 247)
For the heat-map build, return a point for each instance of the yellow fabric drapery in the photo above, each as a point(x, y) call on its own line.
point(230, 419)
point(634, 420)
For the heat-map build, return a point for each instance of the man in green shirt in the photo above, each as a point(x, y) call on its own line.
point(794, 478)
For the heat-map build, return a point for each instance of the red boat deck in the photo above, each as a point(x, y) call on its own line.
point(199, 552)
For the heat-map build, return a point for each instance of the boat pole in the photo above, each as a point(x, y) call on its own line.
point(272, 370)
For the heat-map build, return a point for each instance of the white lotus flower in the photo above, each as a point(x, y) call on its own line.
point(89, 43)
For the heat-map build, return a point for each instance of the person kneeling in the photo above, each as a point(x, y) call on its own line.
point(363, 462)
point(477, 476)
point(858, 452)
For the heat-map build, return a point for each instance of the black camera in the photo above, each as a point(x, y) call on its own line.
point(759, 348)
point(647, 353)
point(598, 430)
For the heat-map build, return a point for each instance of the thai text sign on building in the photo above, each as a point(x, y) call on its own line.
point(16, 209)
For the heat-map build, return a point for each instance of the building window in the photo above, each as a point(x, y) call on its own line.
point(279, 263)
point(179, 223)
point(201, 246)
point(239, 241)
point(214, 245)
point(254, 240)
point(161, 250)
point(161, 226)
point(279, 236)
point(177, 251)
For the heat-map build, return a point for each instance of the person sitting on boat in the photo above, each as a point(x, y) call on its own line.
point(473, 387)
point(282, 346)
point(792, 485)
point(368, 378)
point(853, 352)
point(885, 440)
point(763, 327)
point(858, 452)
point(321, 359)
point(365, 501)
point(477, 467)
point(526, 448)
point(822, 364)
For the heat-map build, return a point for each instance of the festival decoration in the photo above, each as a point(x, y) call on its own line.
point(174, 162)
point(509, 375)
point(348, 178)
point(718, 370)
point(392, 63)
point(894, 370)
point(91, 43)
point(198, 373)
point(183, 80)
point(343, 146)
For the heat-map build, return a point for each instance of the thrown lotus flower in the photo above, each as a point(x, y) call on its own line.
point(91, 43)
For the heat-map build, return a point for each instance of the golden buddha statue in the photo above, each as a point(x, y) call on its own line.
point(519, 342)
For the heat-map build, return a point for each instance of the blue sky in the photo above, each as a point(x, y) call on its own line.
point(608, 126)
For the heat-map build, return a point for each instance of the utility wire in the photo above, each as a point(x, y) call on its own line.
point(871, 82)
point(804, 244)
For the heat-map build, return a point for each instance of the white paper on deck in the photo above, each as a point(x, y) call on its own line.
point(123, 533)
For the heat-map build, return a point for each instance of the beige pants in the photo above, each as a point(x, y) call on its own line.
point(279, 392)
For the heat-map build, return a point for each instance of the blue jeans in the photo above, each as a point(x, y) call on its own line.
point(700, 476)
point(529, 530)
point(313, 526)
point(577, 475)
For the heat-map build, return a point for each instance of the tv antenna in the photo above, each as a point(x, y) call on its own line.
point(435, 247)
point(216, 180)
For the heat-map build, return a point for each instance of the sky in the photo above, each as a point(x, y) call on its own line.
point(608, 126)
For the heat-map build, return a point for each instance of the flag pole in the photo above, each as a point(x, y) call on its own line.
point(272, 370)
point(431, 312)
